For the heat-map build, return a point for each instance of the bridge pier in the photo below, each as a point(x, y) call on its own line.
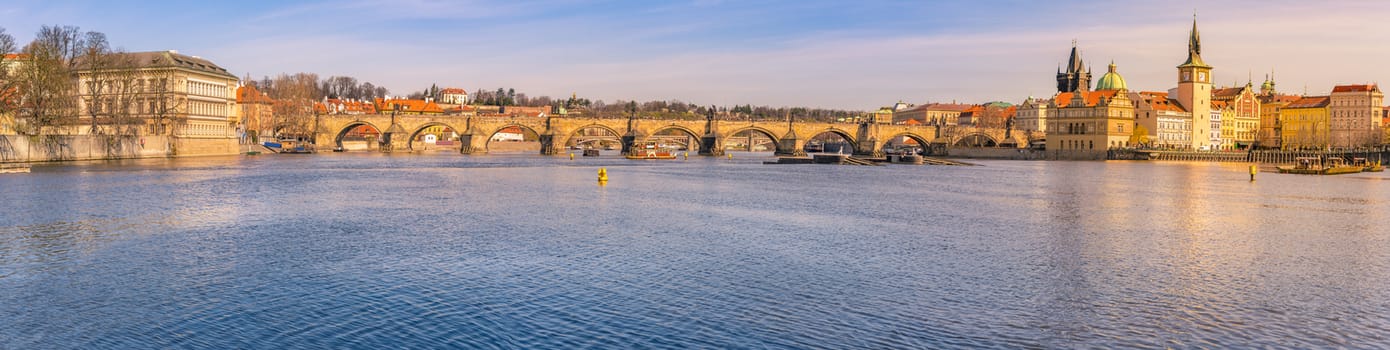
point(871, 148)
point(710, 145)
point(628, 141)
point(791, 147)
point(548, 147)
point(466, 144)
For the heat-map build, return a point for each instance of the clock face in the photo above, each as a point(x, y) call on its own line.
point(1186, 76)
point(1202, 76)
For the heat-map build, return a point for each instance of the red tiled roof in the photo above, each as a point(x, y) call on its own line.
point(453, 91)
point(1160, 101)
point(1218, 104)
point(1309, 102)
point(411, 106)
point(1092, 97)
point(249, 94)
point(1354, 88)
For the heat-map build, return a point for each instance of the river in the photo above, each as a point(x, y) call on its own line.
point(364, 250)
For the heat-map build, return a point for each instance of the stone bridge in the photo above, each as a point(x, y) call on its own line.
point(554, 133)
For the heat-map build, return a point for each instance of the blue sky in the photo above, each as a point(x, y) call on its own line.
point(838, 54)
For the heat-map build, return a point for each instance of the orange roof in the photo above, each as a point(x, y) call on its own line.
point(1092, 97)
point(1354, 88)
point(454, 91)
point(1160, 101)
point(412, 106)
point(1310, 102)
point(1279, 98)
point(249, 94)
point(1218, 104)
point(912, 122)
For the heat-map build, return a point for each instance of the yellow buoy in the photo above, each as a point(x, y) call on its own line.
point(731, 155)
point(602, 175)
point(1253, 170)
point(685, 155)
point(571, 156)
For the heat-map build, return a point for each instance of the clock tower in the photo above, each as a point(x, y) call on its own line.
point(1194, 89)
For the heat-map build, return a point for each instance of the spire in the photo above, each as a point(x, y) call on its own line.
point(1194, 47)
point(1194, 43)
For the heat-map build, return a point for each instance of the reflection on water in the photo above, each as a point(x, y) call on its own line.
point(521, 251)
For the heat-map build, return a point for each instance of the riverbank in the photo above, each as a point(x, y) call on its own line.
point(57, 148)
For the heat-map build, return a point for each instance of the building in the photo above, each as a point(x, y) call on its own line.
point(345, 106)
point(1306, 123)
point(1077, 75)
point(940, 114)
point(1090, 120)
point(406, 106)
point(188, 98)
point(1194, 90)
point(1356, 115)
point(1031, 115)
point(455, 96)
point(1168, 125)
point(1271, 104)
point(1243, 119)
point(256, 111)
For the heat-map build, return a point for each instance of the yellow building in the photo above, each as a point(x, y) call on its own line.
point(1090, 120)
point(931, 114)
point(1305, 123)
point(1227, 127)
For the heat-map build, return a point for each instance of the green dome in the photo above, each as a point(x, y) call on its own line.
point(1111, 80)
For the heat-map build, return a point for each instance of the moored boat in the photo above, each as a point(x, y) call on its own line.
point(1367, 165)
point(1319, 166)
point(14, 168)
point(651, 154)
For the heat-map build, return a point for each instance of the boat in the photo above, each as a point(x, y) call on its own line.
point(1367, 165)
point(1319, 166)
point(14, 168)
point(591, 153)
point(651, 152)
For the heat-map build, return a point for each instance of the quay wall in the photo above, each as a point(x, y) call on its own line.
point(49, 148)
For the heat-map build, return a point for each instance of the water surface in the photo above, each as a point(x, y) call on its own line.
point(523, 251)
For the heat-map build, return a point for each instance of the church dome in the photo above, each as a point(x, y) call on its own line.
point(1111, 80)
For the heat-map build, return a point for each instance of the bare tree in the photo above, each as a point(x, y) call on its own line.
point(294, 104)
point(44, 83)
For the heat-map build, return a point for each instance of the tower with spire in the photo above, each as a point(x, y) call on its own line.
point(1194, 88)
point(1077, 75)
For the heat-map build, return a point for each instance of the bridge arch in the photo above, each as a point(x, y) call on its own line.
point(977, 139)
point(575, 136)
point(524, 128)
point(343, 132)
point(922, 142)
point(847, 136)
point(752, 129)
point(692, 143)
point(421, 129)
